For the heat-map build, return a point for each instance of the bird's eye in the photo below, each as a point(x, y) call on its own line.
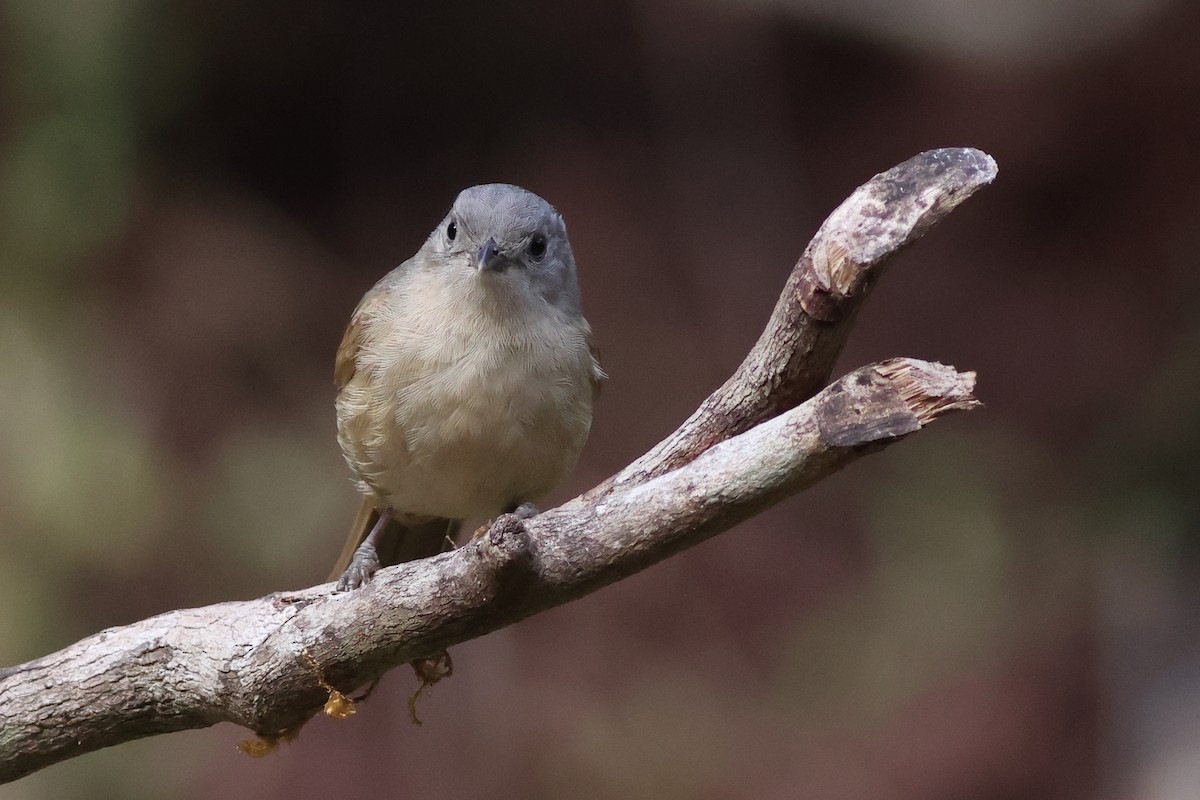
point(537, 247)
point(451, 230)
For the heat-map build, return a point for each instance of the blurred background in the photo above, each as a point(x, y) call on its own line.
point(194, 195)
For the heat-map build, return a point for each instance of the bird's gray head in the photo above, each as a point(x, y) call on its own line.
point(508, 236)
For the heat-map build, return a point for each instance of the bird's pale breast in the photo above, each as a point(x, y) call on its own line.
point(464, 403)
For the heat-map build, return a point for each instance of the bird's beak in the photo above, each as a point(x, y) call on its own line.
point(491, 259)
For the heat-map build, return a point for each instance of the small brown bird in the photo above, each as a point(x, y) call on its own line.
point(465, 380)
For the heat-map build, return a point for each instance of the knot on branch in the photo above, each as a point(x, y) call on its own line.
point(815, 290)
point(507, 543)
point(504, 560)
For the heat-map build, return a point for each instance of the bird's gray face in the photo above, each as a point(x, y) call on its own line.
point(509, 237)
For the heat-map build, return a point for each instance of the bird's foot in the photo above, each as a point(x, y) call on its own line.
point(526, 511)
point(362, 567)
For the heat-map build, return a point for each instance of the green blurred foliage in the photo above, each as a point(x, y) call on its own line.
point(69, 161)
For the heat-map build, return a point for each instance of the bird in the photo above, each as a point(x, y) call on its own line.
point(465, 380)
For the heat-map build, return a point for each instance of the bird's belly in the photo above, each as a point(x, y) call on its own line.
point(466, 462)
point(464, 440)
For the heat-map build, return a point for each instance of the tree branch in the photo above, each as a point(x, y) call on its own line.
point(796, 352)
point(266, 664)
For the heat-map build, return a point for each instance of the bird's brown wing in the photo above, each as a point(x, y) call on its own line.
point(597, 376)
point(345, 364)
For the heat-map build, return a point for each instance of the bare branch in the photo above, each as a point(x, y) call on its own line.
point(268, 664)
point(794, 356)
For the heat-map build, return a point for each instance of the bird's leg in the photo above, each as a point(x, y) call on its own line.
point(523, 511)
point(365, 562)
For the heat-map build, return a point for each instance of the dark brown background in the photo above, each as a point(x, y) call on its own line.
point(194, 195)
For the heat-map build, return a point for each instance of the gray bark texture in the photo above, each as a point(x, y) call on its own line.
point(771, 430)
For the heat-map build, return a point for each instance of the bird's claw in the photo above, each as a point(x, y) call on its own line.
point(362, 567)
